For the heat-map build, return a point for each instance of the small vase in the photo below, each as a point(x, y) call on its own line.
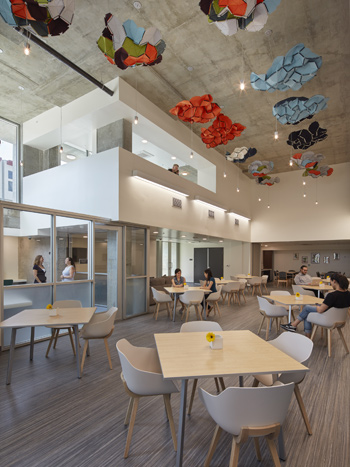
point(299, 298)
point(53, 312)
point(218, 343)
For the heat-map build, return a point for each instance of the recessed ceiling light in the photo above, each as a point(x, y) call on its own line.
point(204, 238)
point(183, 236)
point(173, 158)
point(266, 245)
point(71, 157)
point(21, 88)
point(155, 232)
point(138, 5)
point(221, 241)
point(184, 173)
point(144, 141)
point(1, 51)
point(190, 68)
point(85, 236)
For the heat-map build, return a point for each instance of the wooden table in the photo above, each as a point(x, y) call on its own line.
point(319, 288)
point(180, 290)
point(187, 355)
point(241, 276)
point(40, 317)
point(291, 300)
point(225, 281)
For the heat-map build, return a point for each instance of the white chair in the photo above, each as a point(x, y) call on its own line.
point(248, 412)
point(202, 326)
point(301, 290)
point(56, 329)
point(192, 298)
point(285, 292)
point(242, 287)
point(202, 283)
point(270, 312)
point(160, 297)
point(333, 318)
point(213, 300)
point(264, 282)
point(142, 376)
point(300, 348)
point(255, 283)
point(232, 290)
point(101, 326)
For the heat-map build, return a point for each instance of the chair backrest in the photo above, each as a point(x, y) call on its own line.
point(269, 309)
point(333, 315)
point(264, 279)
point(282, 275)
point(242, 281)
point(279, 292)
point(100, 324)
point(216, 295)
point(255, 280)
point(238, 407)
point(157, 295)
point(201, 326)
point(234, 278)
point(192, 296)
point(67, 304)
point(230, 287)
point(141, 370)
point(302, 291)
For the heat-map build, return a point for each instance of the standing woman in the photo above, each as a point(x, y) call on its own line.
point(39, 271)
point(210, 284)
point(68, 272)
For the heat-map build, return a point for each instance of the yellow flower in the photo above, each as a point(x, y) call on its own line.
point(185, 283)
point(210, 337)
point(321, 283)
point(297, 294)
point(221, 278)
point(327, 277)
point(49, 306)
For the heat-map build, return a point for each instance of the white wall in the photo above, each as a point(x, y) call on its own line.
point(152, 259)
point(294, 218)
point(10, 262)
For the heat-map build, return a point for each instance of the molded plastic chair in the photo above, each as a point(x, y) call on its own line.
point(101, 326)
point(213, 300)
point(142, 376)
point(202, 326)
point(255, 283)
point(242, 287)
point(248, 412)
point(285, 292)
point(302, 291)
point(269, 312)
point(191, 298)
point(160, 297)
point(232, 290)
point(56, 329)
point(264, 282)
point(300, 348)
point(333, 318)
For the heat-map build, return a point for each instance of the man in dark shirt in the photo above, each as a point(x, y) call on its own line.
point(340, 298)
point(175, 169)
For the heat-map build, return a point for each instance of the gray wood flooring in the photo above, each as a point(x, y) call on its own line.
point(50, 418)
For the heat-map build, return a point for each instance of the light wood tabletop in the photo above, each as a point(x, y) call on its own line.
point(292, 300)
point(188, 355)
point(318, 287)
point(183, 289)
point(40, 317)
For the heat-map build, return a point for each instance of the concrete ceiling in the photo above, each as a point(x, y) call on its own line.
point(219, 63)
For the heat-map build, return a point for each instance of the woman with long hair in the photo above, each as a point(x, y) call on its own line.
point(68, 272)
point(39, 270)
point(210, 284)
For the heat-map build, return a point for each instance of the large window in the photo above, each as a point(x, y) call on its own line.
point(136, 275)
point(9, 134)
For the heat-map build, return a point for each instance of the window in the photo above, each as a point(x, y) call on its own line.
point(10, 186)
point(8, 160)
point(10, 175)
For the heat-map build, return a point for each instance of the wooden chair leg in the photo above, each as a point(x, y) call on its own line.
point(217, 308)
point(222, 383)
point(157, 310)
point(268, 321)
point(257, 448)
point(56, 337)
point(213, 445)
point(314, 329)
point(71, 340)
point(329, 340)
point(302, 408)
point(128, 412)
point(168, 309)
point(131, 426)
point(234, 454)
point(169, 412)
point(86, 344)
point(243, 294)
point(272, 446)
point(277, 325)
point(217, 385)
point(105, 340)
point(340, 332)
point(199, 314)
point(261, 324)
point(50, 343)
point(194, 387)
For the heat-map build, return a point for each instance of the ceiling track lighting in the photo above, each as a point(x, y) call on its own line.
point(191, 155)
point(268, 206)
point(242, 85)
point(27, 49)
point(259, 199)
point(304, 183)
point(304, 195)
point(61, 149)
point(237, 190)
point(225, 175)
point(136, 120)
point(275, 135)
point(291, 163)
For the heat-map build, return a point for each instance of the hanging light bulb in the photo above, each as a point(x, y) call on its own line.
point(259, 199)
point(27, 49)
point(316, 202)
point(275, 135)
point(304, 183)
point(237, 190)
point(21, 163)
point(291, 163)
point(191, 155)
point(136, 120)
point(225, 175)
point(268, 206)
point(304, 195)
point(61, 149)
point(242, 85)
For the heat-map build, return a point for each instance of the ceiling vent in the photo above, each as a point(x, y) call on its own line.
point(145, 154)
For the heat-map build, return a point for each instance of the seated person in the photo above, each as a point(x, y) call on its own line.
point(178, 281)
point(303, 278)
point(175, 169)
point(340, 298)
point(210, 284)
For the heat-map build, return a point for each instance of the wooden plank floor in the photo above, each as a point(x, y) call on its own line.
point(50, 418)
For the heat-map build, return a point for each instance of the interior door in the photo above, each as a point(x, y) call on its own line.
point(200, 263)
point(216, 261)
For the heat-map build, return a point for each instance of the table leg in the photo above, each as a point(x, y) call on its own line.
point(12, 350)
point(290, 314)
point(205, 307)
point(182, 421)
point(241, 382)
point(32, 331)
point(175, 300)
point(77, 348)
point(281, 447)
point(318, 293)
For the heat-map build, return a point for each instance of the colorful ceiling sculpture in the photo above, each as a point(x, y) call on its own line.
point(127, 45)
point(45, 17)
point(310, 162)
point(221, 131)
point(240, 154)
point(260, 170)
point(296, 68)
point(199, 109)
point(231, 15)
point(294, 110)
point(303, 139)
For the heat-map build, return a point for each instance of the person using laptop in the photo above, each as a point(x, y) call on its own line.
point(303, 278)
point(340, 298)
